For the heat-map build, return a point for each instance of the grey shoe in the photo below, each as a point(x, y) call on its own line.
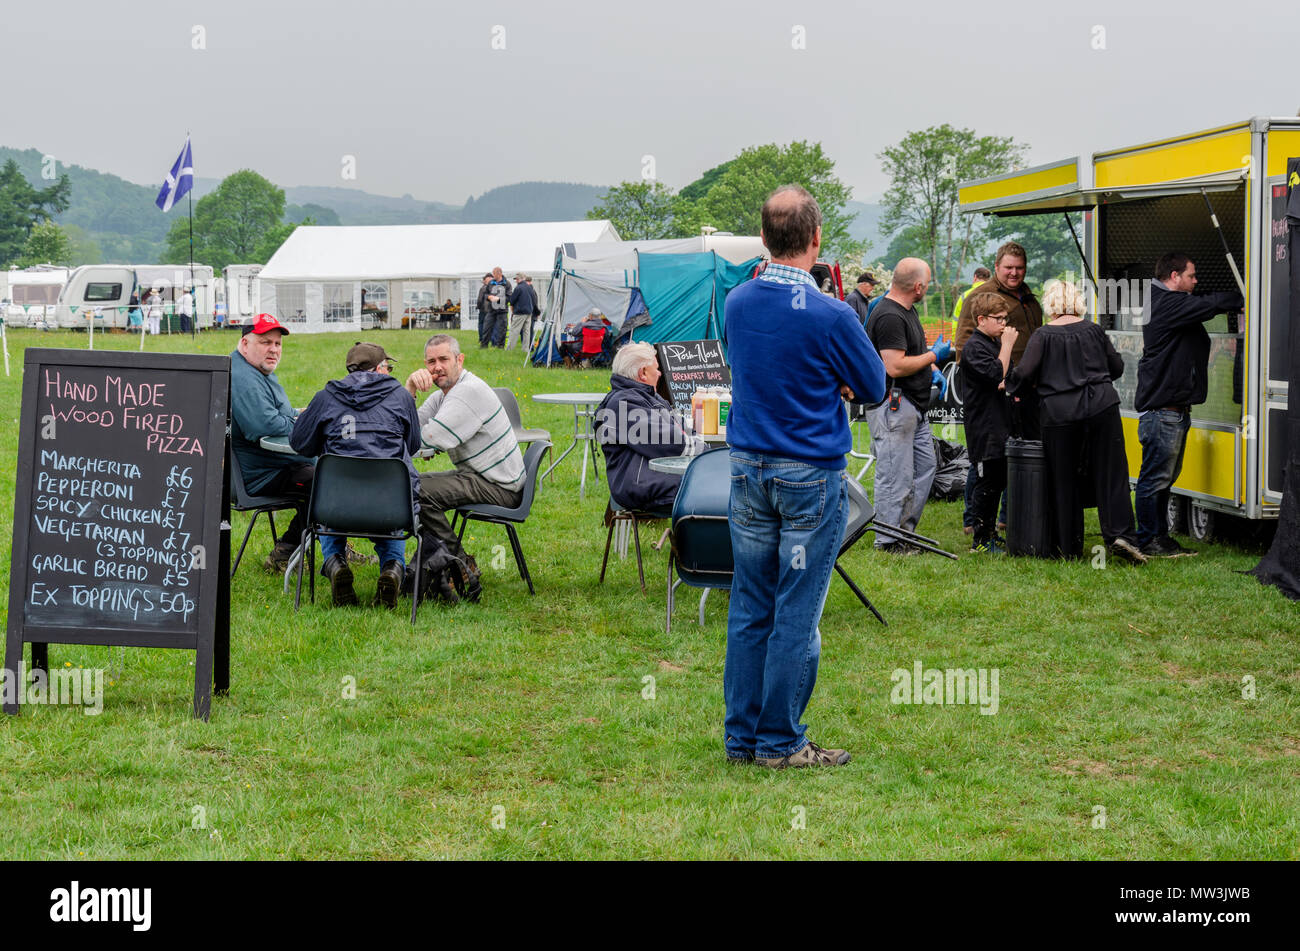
point(810, 755)
point(340, 578)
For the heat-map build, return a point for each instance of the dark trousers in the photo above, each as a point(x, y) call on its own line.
point(990, 484)
point(294, 481)
point(1099, 440)
point(968, 513)
point(443, 491)
point(484, 328)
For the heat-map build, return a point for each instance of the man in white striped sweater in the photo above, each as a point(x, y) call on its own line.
point(463, 418)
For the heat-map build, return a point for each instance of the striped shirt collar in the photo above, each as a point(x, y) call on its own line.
point(784, 274)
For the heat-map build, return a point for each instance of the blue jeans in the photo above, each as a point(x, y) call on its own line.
point(1163, 435)
point(388, 549)
point(787, 522)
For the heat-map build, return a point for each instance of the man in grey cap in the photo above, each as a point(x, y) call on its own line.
point(369, 414)
point(523, 304)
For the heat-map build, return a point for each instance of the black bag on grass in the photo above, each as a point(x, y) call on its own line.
point(952, 463)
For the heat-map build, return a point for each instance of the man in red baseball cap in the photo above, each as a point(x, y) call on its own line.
point(259, 407)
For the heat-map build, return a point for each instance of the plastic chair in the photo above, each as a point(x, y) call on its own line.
point(701, 536)
point(500, 515)
point(241, 500)
point(511, 406)
point(366, 498)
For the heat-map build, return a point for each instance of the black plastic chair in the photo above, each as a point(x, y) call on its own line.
point(701, 536)
point(241, 500)
point(510, 517)
point(362, 498)
point(511, 406)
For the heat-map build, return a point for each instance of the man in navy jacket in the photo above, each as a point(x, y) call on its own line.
point(794, 353)
point(1171, 380)
point(369, 414)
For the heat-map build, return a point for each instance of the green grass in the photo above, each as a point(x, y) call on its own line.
point(1119, 688)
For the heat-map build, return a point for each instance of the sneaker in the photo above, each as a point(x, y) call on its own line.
point(340, 577)
point(990, 546)
point(1165, 547)
point(390, 582)
point(1125, 550)
point(810, 755)
point(278, 560)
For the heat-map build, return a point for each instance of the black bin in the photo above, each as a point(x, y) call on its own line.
point(1028, 530)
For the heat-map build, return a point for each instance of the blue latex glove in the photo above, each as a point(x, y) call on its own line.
point(942, 350)
point(939, 380)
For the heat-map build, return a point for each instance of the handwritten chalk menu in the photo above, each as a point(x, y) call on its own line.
point(118, 535)
point(688, 365)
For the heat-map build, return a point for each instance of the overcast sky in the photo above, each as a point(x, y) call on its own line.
point(582, 91)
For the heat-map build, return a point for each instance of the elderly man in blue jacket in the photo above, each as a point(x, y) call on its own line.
point(634, 424)
point(368, 414)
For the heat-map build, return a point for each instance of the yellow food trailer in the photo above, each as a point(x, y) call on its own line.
point(1144, 200)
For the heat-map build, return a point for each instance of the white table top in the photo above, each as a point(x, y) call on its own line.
point(572, 399)
point(675, 465)
point(276, 444)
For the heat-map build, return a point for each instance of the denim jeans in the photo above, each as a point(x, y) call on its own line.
point(1163, 435)
point(388, 549)
point(787, 522)
point(904, 449)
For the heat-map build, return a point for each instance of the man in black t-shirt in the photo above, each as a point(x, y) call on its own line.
point(900, 436)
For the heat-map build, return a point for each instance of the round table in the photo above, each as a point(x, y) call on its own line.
point(676, 465)
point(584, 415)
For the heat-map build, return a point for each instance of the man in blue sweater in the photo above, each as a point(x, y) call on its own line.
point(260, 408)
point(794, 353)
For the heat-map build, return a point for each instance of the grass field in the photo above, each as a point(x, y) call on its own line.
point(523, 727)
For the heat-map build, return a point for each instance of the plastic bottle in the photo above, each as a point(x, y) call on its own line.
point(710, 412)
point(697, 410)
point(724, 410)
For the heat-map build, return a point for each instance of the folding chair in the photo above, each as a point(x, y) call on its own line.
point(241, 500)
point(362, 498)
point(510, 517)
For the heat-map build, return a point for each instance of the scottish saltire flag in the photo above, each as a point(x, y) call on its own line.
point(179, 180)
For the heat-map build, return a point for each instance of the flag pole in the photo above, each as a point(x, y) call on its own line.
point(194, 306)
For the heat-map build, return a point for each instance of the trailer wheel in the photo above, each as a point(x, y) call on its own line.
point(1200, 522)
point(1176, 514)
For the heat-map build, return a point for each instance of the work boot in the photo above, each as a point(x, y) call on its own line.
point(340, 578)
point(278, 560)
point(471, 586)
point(390, 582)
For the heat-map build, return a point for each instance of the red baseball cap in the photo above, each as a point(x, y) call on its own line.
point(265, 323)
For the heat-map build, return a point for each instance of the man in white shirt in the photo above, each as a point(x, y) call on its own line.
point(464, 418)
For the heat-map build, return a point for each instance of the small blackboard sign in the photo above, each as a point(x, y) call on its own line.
point(686, 366)
point(121, 510)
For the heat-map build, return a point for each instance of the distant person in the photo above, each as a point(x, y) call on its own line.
point(1071, 362)
point(259, 407)
point(185, 308)
point(981, 275)
point(134, 315)
point(1173, 376)
point(154, 311)
point(901, 439)
point(484, 322)
point(593, 330)
point(860, 298)
point(498, 298)
point(523, 301)
point(367, 414)
point(634, 424)
point(219, 313)
point(788, 506)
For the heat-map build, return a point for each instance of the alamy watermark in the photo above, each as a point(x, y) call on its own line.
point(77, 687)
point(946, 687)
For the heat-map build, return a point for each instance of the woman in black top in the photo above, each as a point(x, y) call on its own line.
point(1070, 363)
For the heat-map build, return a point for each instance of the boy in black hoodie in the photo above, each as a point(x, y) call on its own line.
point(985, 362)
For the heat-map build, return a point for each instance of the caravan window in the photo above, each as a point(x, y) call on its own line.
point(103, 292)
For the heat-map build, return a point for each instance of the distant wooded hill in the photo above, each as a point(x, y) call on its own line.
point(113, 220)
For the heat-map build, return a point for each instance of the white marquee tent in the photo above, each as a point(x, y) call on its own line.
point(330, 278)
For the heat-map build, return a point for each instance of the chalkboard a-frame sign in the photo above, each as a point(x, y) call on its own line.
point(121, 511)
point(688, 365)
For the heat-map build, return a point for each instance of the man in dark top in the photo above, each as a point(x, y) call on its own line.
point(367, 414)
point(498, 303)
point(1023, 310)
point(1171, 380)
point(860, 298)
point(985, 364)
point(484, 322)
point(523, 302)
point(900, 436)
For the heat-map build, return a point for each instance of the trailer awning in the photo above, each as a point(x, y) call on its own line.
point(1002, 200)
